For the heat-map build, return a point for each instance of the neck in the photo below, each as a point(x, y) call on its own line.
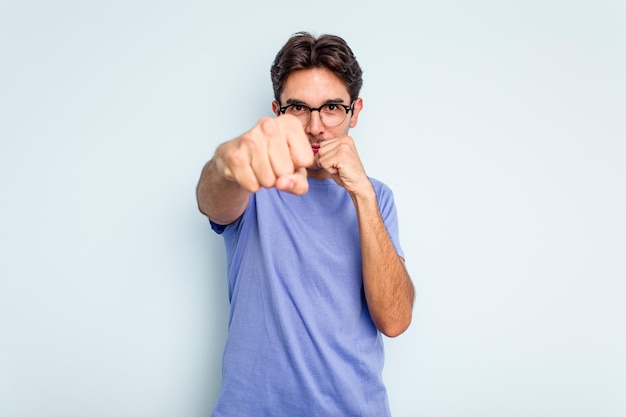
point(317, 173)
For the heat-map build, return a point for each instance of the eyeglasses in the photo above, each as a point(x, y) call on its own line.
point(331, 114)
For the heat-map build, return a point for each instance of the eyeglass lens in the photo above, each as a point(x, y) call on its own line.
point(331, 114)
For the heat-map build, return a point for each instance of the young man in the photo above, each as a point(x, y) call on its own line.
point(315, 267)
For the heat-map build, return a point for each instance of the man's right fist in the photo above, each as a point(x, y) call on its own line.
point(274, 153)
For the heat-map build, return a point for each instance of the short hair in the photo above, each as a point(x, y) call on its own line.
point(305, 51)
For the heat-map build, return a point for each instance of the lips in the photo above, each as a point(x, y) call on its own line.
point(316, 149)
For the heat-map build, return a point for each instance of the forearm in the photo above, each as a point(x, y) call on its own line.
point(220, 199)
point(388, 288)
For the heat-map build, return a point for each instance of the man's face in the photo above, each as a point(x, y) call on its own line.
point(314, 88)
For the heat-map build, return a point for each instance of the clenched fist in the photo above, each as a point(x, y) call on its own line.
point(274, 153)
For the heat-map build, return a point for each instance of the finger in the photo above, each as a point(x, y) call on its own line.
point(243, 175)
point(299, 146)
point(328, 156)
point(329, 145)
point(256, 143)
point(278, 151)
point(329, 153)
point(229, 158)
point(295, 183)
point(329, 163)
point(340, 157)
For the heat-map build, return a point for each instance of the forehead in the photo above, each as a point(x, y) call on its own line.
point(314, 86)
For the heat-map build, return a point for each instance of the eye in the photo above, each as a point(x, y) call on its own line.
point(296, 109)
point(332, 107)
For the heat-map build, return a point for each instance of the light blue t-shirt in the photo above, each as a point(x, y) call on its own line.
point(300, 338)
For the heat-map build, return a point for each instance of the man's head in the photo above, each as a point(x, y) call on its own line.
point(318, 81)
point(304, 51)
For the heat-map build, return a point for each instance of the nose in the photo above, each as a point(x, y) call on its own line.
point(315, 125)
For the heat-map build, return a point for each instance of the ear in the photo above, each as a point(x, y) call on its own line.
point(275, 107)
point(357, 107)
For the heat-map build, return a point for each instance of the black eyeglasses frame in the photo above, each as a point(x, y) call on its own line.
point(350, 108)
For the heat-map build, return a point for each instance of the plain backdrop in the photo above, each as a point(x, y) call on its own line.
point(500, 126)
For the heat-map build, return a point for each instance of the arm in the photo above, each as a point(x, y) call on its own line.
point(388, 288)
point(274, 153)
point(220, 199)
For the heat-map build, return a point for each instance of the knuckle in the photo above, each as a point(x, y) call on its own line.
point(250, 141)
point(267, 126)
point(236, 160)
point(291, 124)
point(294, 122)
point(347, 140)
point(282, 166)
point(265, 176)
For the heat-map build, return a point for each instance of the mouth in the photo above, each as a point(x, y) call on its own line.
point(316, 149)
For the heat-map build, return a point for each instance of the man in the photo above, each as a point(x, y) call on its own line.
point(315, 267)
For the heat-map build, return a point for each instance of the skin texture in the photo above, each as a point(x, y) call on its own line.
point(279, 153)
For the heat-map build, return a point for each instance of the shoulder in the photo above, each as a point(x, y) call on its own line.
point(380, 187)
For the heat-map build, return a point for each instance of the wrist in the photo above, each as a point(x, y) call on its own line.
point(364, 194)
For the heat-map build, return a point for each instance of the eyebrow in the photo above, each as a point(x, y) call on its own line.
point(329, 101)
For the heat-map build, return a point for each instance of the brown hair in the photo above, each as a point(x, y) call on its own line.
point(304, 51)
